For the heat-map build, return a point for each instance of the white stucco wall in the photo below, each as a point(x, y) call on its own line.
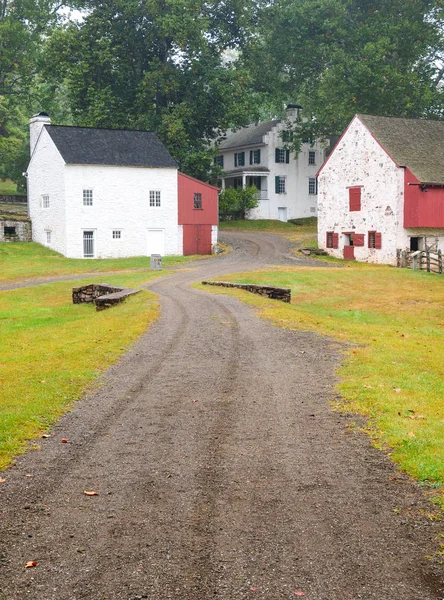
point(121, 202)
point(358, 160)
point(46, 177)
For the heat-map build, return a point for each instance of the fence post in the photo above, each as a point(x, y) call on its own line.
point(439, 261)
point(428, 260)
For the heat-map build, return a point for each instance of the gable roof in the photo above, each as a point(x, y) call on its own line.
point(116, 147)
point(248, 136)
point(417, 144)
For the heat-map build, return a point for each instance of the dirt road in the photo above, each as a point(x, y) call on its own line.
point(221, 472)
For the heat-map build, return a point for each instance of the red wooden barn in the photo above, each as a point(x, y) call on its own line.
point(198, 214)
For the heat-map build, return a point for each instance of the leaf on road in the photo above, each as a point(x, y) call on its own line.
point(90, 493)
point(299, 593)
point(2, 480)
point(30, 564)
point(64, 441)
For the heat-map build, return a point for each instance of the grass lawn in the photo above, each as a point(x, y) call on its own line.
point(393, 370)
point(303, 232)
point(21, 261)
point(7, 187)
point(53, 350)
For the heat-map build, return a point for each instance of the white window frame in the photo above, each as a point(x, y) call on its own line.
point(48, 236)
point(282, 184)
point(45, 201)
point(312, 186)
point(155, 199)
point(281, 155)
point(312, 157)
point(88, 197)
point(117, 234)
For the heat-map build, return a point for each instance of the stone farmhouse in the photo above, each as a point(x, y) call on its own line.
point(108, 193)
point(381, 190)
point(286, 182)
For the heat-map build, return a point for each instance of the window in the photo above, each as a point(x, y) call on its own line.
point(117, 234)
point(87, 197)
point(48, 237)
point(374, 240)
point(197, 201)
point(312, 185)
point(219, 160)
point(255, 157)
point(311, 157)
point(239, 159)
point(155, 198)
point(281, 155)
point(10, 231)
point(88, 244)
point(332, 239)
point(45, 201)
point(354, 198)
point(280, 184)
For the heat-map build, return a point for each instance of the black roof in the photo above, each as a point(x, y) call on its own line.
point(119, 147)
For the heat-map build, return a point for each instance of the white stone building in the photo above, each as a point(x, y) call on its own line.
point(102, 193)
point(382, 190)
point(286, 182)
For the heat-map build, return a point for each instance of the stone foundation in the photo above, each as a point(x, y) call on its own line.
point(101, 294)
point(276, 293)
point(15, 230)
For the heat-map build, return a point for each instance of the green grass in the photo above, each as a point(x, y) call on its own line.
point(28, 259)
point(393, 370)
point(53, 350)
point(7, 187)
point(302, 232)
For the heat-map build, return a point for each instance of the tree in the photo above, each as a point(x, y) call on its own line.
point(340, 57)
point(158, 65)
point(236, 203)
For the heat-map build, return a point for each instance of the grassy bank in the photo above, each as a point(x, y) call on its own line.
point(393, 372)
point(302, 232)
point(7, 187)
point(28, 259)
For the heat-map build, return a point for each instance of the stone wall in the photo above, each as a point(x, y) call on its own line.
point(10, 199)
point(276, 293)
point(101, 294)
point(22, 229)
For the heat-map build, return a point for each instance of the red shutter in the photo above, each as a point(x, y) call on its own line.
point(335, 240)
point(354, 196)
point(378, 241)
point(358, 239)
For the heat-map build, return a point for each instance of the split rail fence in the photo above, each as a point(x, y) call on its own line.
point(423, 260)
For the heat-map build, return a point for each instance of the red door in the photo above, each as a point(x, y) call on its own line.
point(196, 239)
point(349, 253)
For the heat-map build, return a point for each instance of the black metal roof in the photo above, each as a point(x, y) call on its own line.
point(116, 147)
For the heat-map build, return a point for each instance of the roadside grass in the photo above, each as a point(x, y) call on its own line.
point(53, 350)
point(24, 260)
point(392, 323)
point(302, 232)
point(7, 187)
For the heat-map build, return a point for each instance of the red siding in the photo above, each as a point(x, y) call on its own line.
point(188, 215)
point(421, 208)
point(196, 239)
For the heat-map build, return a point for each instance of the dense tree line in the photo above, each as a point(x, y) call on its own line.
point(190, 69)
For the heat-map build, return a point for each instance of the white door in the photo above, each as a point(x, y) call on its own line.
point(155, 242)
point(282, 214)
point(88, 244)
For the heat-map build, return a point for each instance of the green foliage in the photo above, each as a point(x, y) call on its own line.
point(235, 204)
point(341, 57)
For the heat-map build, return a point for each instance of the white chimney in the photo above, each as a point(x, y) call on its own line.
point(294, 111)
point(36, 123)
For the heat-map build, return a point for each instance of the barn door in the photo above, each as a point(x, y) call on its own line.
point(196, 239)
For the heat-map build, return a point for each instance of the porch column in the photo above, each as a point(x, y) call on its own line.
point(223, 183)
point(244, 180)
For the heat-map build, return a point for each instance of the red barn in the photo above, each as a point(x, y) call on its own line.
point(198, 214)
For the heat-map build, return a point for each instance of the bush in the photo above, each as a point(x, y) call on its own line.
point(235, 204)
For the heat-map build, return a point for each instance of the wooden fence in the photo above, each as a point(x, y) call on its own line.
point(423, 260)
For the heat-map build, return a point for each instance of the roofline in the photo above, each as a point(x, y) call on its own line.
point(102, 128)
point(68, 164)
point(261, 144)
point(356, 116)
point(198, 181)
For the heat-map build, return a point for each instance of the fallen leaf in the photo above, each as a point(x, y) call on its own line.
point(253, 589)
point(64, 441)
point(30, 564)
point(397, 390)
point(91, 493)
point(299, 593)
point(411, 434)
point(194, 400)
point(2, 480)
point(46, 435)
point(28, 475)
point(43, 381)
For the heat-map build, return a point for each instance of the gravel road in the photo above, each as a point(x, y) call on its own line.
point(221, 473)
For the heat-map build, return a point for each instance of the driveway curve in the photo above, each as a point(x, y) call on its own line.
point(219, 469)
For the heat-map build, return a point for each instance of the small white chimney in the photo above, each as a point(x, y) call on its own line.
point(36, 123)
point(294, 111)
